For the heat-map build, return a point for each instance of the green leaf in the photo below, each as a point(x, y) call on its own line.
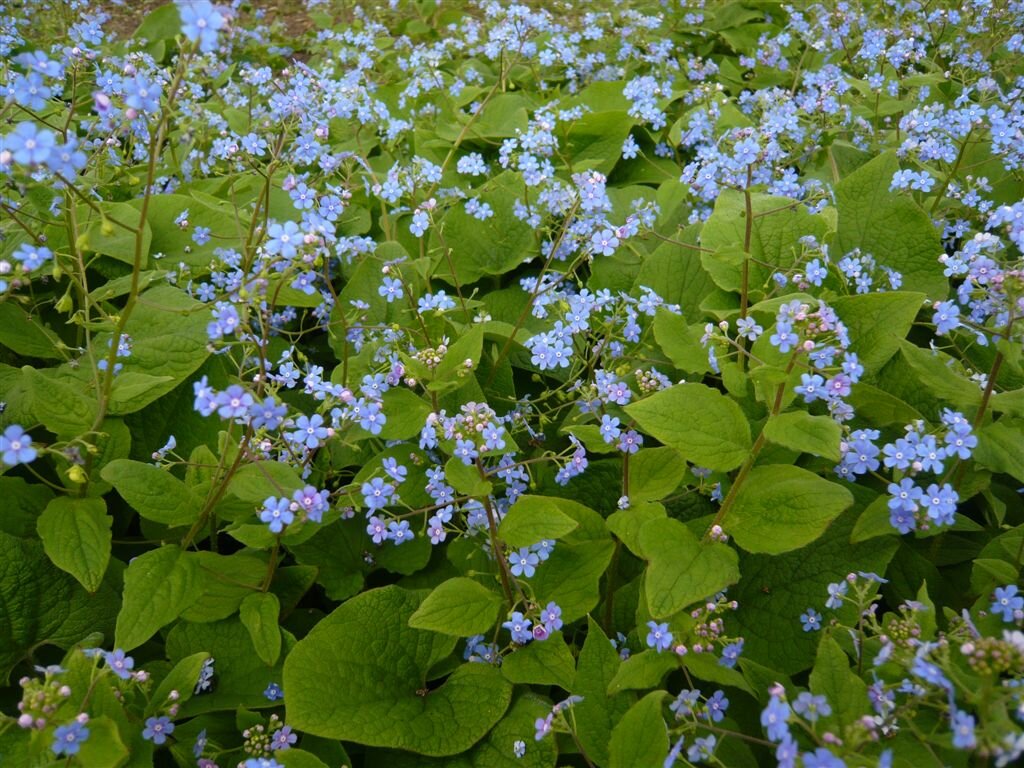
point(626, 524)
point(640, 738)
point(154, 493)
point(675, 273)
point(680, 342)
point(891, 227)
point(169, 343)
point(547, 662)
point(775, 589)
point(44, 605)
point(465, 478)
point(257, 480)
point(259, 613)
point(407, 413)
point(799, 431)
point(241, 675)
point(833, 678)
point(460, 607)
point(873, 522)
point(533, 518)
point(594, 142)
point(681, 570)
point(642, 670)
point(571, 577)
point(26, 334)
point(597, 714)
point(158, 586)
point(999, 447)
point(298, 758)
point(224, 582)
point(60, 404)
point(781, 507)
point(182, 678)
point(76, 536)
point(774, 237)
point(877, 323)
point(491, 247)
point(103, 236)
point(451, 373)
point(23, 503)
point(654, 473)
point(935, 372)
point(103, 748)
point(361, 675)
point(704, 425)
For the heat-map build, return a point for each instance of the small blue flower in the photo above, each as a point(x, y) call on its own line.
point(811, 620)
point(158, 729)
point(659, 638)
point(519, 627)
point(273, 692)
point(67, 739)
point(1006, 602)
point(963, 730)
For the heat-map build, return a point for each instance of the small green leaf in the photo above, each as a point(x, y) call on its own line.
point(680, 342)
point(259, 613)
point(832, 677)
point(158, 586)
point(182, 678)
point(60, 404)
point(800, 431)
point(642, 670)
point(407, 413)
point(641, 737)
point(681, 570)
point(934, 371)
point(877, 323)
point(241, 675)
point(891, 227)
point(571, 577)
point(76, 536)
point(704, 425)
point(103, 748)
point(465, 478)
point(547, 662)
point(361, 675)
point(154, 493)
point(999, 447)
point(782, 507)
point(873, 522)
point(460, 607)
point(597, 714)
point(533, 518)
point(256, 481)
point(654, 473)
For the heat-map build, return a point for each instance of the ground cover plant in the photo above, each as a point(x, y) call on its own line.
point(484, 384)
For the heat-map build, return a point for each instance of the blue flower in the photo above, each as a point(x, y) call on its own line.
point(277, 513)
point(731, 654)
point(376, 493)
point(119, 664)
point(963, 730)
point(29, 144)
point(811, 620)
point(158, 729)
point(399, 532)
point(659, 638)
point(67, 739)
point(774, 718)
point(16, 446)
point(1007, 603)
point(519, 627)
point(524, 563)
point(200, 21)
point(822, 758)
point(811, 707)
